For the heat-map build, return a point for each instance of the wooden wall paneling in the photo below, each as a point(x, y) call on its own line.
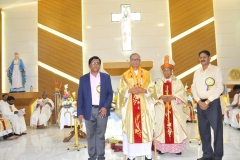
point(64, 17)
point(49, 81)
point(56, 43)
point(60, 54)
point(185, 14)
point(185, 51)
point(188, 80)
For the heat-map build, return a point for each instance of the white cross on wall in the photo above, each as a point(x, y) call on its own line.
point(125, 17)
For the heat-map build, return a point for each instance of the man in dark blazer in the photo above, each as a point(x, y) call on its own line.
point(93, 104)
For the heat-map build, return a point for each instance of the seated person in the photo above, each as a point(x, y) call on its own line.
point(42, 111)
point(234, 119)
point(4, 98)
point(6, 129)
point(230, 114)
point(238, 119)
point(10, 112)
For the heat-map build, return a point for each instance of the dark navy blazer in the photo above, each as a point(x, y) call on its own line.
point(84, 101)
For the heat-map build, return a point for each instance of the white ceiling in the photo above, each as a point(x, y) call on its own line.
point(14, 3)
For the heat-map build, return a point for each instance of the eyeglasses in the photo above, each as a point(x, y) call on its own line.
point(167, 70)
point(95, 63)
point(135, 60)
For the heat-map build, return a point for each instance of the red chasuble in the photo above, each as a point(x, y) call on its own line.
point(137, 119)
point(168, 118)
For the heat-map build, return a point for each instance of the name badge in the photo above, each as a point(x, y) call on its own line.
point(209, 82)
point(98, 88)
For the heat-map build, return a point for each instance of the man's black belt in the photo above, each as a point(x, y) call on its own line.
point(203, 100)
point(95, 106)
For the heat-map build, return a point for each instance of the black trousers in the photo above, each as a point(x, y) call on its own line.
point(211, 117)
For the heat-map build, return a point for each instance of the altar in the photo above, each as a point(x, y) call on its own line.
point(114, 126)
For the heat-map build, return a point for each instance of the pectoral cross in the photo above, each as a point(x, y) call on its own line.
point(125, 17)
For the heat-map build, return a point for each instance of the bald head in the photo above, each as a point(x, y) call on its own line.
point(44, 94)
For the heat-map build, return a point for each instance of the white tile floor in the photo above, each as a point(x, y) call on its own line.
point(46, 144)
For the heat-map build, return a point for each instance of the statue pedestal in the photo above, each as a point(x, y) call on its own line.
point(14, 90)
point(25, 100)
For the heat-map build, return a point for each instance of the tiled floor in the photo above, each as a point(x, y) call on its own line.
point(46, 144)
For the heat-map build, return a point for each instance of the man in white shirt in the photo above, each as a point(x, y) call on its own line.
point(10, 112)
point(206, 88)
point(42, 111)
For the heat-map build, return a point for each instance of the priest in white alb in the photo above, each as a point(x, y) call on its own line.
point(233, 110)
point(135, 89)
point(42, 111)
point(170, 128)
point(6, 129)
point(4, 99)
point(10, 112)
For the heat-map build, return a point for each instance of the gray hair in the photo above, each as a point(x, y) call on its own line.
point(133, 55)
point(44, 92)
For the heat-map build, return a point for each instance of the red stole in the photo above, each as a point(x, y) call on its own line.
point(38, 122)
point(238, 118)
point(137, 119)
point(3, 123)
point(41, 109)
point(168, 118)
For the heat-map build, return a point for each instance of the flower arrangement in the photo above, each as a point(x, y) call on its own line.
point(69, 101)
point(115, 144)
point(190, 96)
point(57, 85)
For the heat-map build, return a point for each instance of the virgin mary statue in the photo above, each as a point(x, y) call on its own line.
point(16, 74)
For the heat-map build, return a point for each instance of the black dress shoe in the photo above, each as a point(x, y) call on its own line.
point(147, 158)
point(16, 134)
point(180, 153)
point(23, 133)
point(159, 152)
point(203, 158)
point(129, 159)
